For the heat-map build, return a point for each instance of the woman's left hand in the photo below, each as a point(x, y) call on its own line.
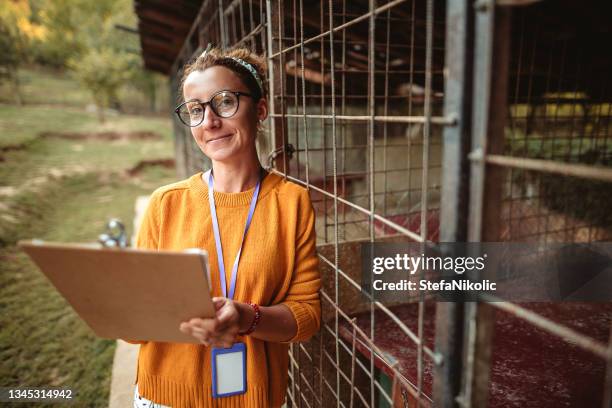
point(219, 331)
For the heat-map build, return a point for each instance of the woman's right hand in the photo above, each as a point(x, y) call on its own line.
point(219, 331)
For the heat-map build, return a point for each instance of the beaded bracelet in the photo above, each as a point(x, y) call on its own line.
point(255, 321)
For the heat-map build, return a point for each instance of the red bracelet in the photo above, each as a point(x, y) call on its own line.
point(255, 321)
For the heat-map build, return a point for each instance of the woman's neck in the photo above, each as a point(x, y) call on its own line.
point(237, 176)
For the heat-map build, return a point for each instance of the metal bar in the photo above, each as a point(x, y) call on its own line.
point(411, 335)
point(305, 381)
point(322, 107)
point(304, 121)
point(353, 358)
point(279, 17)
point(292, 398)
point(328, 385)
point(251, 34)
point(427, 117)
point(375, 351)
point(516, 2)
point(196, 23)
point(492, 32)
point(410, 234)
point(303, 398)
point(384, 393)
point(335, 178)
point(242, 28)
point(435, 120)
point(343, 108)
point(549, 166)
point(252, 24)
point(222, 25)
point(271, 80)
point(425, 180)
point(292, 368)
point(411, 81)
point(386, 108)
point(306, 353)
point(397, 375)
point(370, 14)
point(482, 83)
point(321, 364)
point(380, 45)
point(230, 7)
point(454, 193)
point(607, 398)
point(563, 332)
point(438, 96)
point(364, 369)
point(516, 94)
point(344, 377)
point(372, 112)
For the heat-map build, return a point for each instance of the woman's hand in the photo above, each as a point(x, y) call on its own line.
point(219, 331)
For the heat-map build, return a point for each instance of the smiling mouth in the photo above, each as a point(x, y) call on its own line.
point(219, 138)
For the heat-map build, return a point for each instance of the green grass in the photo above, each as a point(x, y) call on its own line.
point(23, 124)
point(49, 87)
point(43, 341)
point(43, 86)
point(63, 190)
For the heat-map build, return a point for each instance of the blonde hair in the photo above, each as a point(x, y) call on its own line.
point(231, 59)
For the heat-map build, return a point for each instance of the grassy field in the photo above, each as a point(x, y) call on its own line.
point(43, 86)
point(64, 189)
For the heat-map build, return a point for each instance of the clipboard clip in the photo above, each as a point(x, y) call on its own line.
point(115, 236)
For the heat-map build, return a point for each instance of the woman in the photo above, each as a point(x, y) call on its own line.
point(266, 287)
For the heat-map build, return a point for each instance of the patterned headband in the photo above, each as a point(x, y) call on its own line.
point(243, 63)
point(252, 70)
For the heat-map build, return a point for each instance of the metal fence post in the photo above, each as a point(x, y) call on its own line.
point(454, 202)
point(492, 40)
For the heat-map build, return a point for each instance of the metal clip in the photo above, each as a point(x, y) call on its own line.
point(287, 149)
point(484, 5)
point(115, 235)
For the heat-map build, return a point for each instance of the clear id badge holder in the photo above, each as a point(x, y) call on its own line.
point(229, 370)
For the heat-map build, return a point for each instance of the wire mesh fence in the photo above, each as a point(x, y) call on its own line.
point(398, 114)
point(544, 175)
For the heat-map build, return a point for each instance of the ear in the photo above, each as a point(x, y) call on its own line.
point(262, 109)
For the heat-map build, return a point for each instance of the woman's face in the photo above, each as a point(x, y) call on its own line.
point(224, 139)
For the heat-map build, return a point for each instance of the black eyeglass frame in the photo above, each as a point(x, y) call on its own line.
point(212, 107)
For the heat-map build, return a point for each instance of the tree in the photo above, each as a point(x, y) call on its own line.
point(62, 20)
point(18, 33)
point(148, 83)
point(106, 60)
point(80, 35)
point(103, 71)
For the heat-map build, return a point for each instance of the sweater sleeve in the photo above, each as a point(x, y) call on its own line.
point(303, 295)
point(148, 235)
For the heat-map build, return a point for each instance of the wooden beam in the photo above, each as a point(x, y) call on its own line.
point(178, 23)
point(151, 43)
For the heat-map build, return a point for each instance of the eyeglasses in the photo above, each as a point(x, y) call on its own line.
point(224, 104)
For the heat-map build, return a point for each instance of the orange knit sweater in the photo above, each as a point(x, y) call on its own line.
point(278, 265)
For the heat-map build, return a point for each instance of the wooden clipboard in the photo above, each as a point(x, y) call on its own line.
point(131, 294)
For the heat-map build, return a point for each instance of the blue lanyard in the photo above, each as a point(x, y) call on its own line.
point(213, 212)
